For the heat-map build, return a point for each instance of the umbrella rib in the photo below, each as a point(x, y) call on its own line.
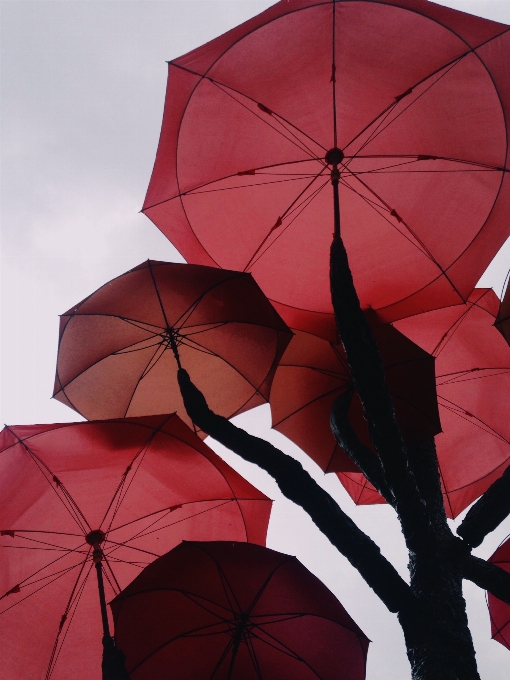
point(72, 508)
point(146, 370)
point(58, 575)
point(38, 571)
point(223, 85)
point(309, 403)
point(286, 650)
point(196, 192)
point(293, 140)
point(461, 376)
point(445, 72)
point(451, 63)
point(167, 511)
point(138, 457)
point(181, 320)
point(419, 243)
point(301, 207)
point(55, 654)
point(64, 618)
point(456, 409)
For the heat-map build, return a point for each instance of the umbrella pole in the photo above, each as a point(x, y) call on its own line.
point(334, 157)
point(113, 665)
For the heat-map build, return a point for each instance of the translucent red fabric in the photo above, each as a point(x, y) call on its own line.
point(147, 483)
point(238, 612)
point(116, 355)
point(500, 611)
point(313, 372)
point(473, 390)
point(417, 98)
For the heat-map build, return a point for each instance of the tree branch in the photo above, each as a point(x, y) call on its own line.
point(488, 512)
point(370, 383)
point(488, 576)
point(297, 485)
point(360, 454)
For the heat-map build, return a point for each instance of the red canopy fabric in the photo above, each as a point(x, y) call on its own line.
point(238, 611)
point(147, 483)
point(313, 372)
point(417, 98)
point(115, 350)
point(473, 390)
point(500, 611)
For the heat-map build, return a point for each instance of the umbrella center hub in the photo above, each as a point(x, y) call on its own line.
point(334, 156)
point(95, 537)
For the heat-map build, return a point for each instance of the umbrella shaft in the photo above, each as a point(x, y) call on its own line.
point(336, 206)
point(102, 599)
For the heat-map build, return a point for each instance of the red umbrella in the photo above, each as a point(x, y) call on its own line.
point(503, 318)
point(313, 373)
point(500, 611)
point(131, 489)
point(401, 104)
point(238, 612)
point(119, 349)
point(473, 390)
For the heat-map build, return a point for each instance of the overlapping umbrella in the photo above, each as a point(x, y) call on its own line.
point(119, 349)
point(313, 372)
point(473, 389)
point(231, 611)
point(402, 106)
point(121, 491)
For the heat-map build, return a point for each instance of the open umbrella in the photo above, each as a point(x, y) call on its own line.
point(473, 391)
point(118, 492)
point(313, 373)
point(401, 105)
point(238, 612)
point(119, 349)
point(500, 611)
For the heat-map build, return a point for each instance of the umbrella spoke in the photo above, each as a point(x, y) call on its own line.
point(72, 606)
point(470, 418)
point(71, 505)
point(299, 208)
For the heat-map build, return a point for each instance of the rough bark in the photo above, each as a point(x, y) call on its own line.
point(488, 512)
point(438, 639)
point(360, 454)
point(297, 485)
point(487, 576)
point(370, 384)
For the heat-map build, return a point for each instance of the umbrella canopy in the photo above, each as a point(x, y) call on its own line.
point(407, 100)
point(500, 611)
point(136, 487)
point(313, 372)
point(238, 611)
point(473, 390)
point(503, 318)
point(119, 348)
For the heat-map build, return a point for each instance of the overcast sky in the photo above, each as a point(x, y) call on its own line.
point(83, 83)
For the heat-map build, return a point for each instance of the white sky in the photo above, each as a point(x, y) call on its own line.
point(83, 83)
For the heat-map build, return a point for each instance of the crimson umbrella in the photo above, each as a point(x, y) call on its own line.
point(119, 349)
point(473, 390)
point(238, 611)
point(401, 105)
point(500, 611)
point(314, 372)
point(118, 492)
